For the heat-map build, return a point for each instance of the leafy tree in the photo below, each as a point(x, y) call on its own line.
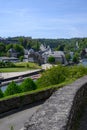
point(68, 57)
point(61, 47)
point(12, 88)
point(9, 46)
point(21, 58)
point(19, 49)
point(51, 59)
point(35, 45)
point(2, 49)
point(2, 64)
point(1, 93)
point(21, 40)
point(28, 85)
point(76, 58)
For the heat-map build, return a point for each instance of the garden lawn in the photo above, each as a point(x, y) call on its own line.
point(28, 65)
point(21, 66)
point(13, 69)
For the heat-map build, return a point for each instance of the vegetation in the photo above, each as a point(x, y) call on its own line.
point(29, 64)
point(6, 64)
point(12, 128)
point(12, 88)
point(54, 77)
point(57, 86)
point(17, 67)
point(28, 85)
point(1, 93)
point(68, 57)
point(21, 43)
point(76, 58)
point(61, 74)
point(51, 59)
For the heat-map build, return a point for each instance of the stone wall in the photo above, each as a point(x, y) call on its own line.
point(61, 111)
point(18, 102)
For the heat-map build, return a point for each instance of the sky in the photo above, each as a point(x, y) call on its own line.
point(43, 18)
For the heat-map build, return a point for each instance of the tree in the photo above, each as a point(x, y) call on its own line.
point(61, 47)
point(68, 57)
point(21, 40)
point(12, 88)
point(51, 59)
point(19, 49)
point(1, 93)
point(28, 85)
point(9, 46)
point(2, 49)
point(76, 58)
point(21, 58)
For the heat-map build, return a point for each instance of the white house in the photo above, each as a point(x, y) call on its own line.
point(43, 55)
point(58, 55)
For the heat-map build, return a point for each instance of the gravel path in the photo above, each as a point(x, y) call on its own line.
point(17, 119)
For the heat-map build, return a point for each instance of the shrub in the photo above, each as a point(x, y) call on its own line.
point(76, 58)
point(28, 85)
point(52, 76)
point(1, 93)
point(77, 71)
point(12, 88)
point(6, 64)
point(51, 59)
point(60, 74)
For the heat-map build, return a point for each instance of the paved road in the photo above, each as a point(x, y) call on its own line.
point(17, 120)
point(83, 121)
point(13, 74)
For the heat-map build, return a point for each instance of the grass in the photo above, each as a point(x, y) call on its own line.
point(21, 66)
point(27, 65)
point(13, 69)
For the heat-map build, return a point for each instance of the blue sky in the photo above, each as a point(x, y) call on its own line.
point(43, 18)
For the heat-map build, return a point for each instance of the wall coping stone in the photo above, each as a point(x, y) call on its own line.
point(60, 110)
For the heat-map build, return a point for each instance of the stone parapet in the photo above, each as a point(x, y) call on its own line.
point(62, 109)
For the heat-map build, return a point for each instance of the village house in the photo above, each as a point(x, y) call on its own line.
point(12, 52)
point(42, 56)
point(9, 59)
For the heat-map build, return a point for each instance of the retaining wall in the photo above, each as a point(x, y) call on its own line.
point(18, 102)
point(23, 75)
point(61, 111)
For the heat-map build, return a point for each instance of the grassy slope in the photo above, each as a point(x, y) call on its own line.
point(21, 66)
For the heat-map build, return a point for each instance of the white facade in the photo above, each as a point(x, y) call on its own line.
point(58, 55)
